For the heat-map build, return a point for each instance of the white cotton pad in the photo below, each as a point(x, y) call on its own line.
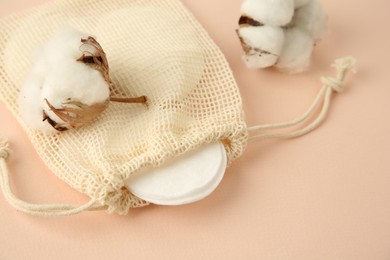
point(182, 180)
point(312, 19)
point(266, 43)
point(296, 52)
point(300, 3)
point(271, 12)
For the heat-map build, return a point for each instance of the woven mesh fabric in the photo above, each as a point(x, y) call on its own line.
point(154, 48)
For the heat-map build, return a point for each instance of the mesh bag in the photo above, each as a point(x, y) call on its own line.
point(154, 48)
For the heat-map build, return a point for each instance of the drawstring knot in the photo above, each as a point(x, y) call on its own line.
point(4, 150)
point(330, 85)
point(36, 209)
point(335, 84)
point(342, 66)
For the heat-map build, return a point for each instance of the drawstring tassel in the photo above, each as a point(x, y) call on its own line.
point(36, 209)
point(330, 85)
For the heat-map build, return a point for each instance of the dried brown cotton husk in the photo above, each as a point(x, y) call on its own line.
point(69, 85)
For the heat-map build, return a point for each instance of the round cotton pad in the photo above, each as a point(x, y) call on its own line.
point(185, 179)
point(154, 48)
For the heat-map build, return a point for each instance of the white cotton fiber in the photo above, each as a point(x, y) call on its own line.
point(303, 22)
point(57, 76)
point(266, 44)
point(296, 53)
point(312, 19)
point(87, 86)
point(29, 106)
point(300, 3)
point(66, 45)
point(270, 12)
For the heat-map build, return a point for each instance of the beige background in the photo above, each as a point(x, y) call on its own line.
point(322, 196)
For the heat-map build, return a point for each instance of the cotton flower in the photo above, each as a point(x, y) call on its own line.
point(312, 19)
point(264, 45)
point(270, 12)
point(69, 83)
point(280, 33)
point(296, 52)
point(300, 3)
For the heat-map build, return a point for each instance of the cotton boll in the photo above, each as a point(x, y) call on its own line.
point(270, 12)
point(262, 45)
point(303, 20)
point(63, 91)
point(65, 44)
point(312, 19)
point(73, 82)
point(300, 3)
point(30, 105)
point(295, 57)
point(29, 100)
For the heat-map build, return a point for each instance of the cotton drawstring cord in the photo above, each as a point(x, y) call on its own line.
point(36, 209)
point(330, 85)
